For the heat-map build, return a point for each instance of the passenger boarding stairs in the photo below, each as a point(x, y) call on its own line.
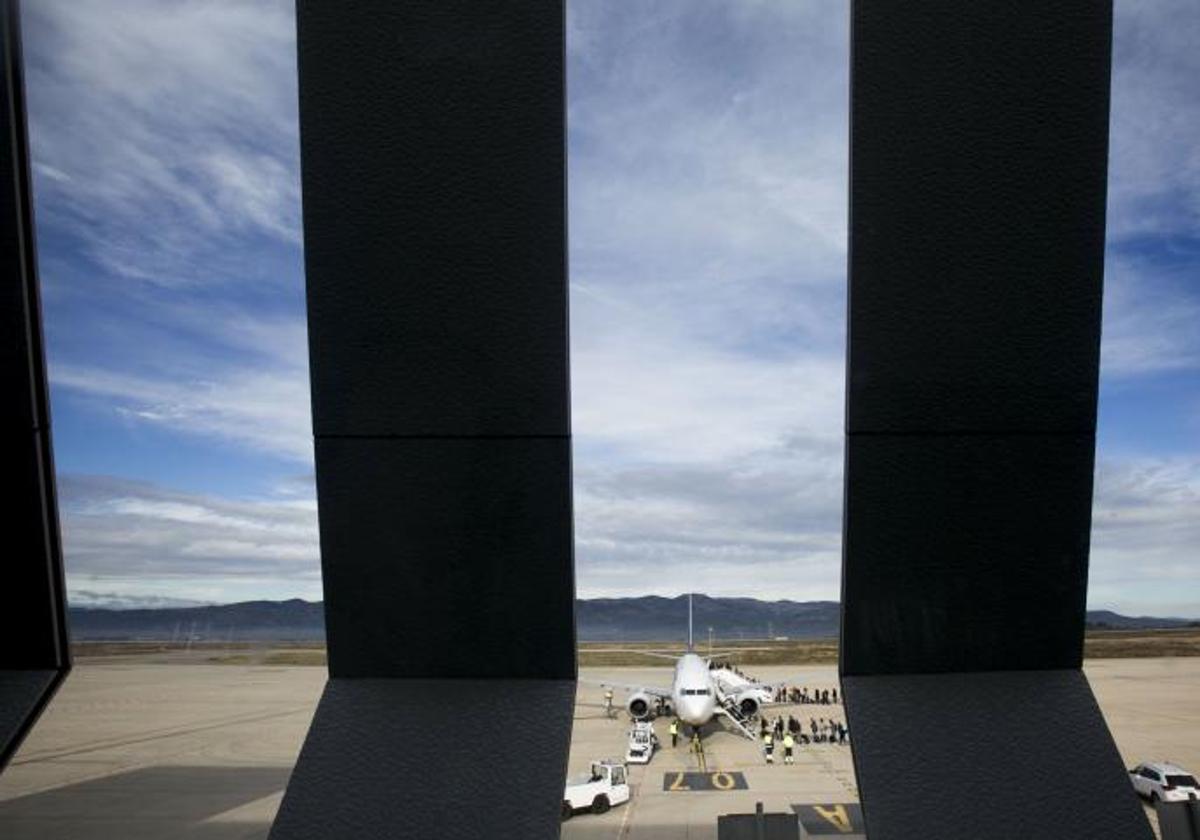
point(729, 684)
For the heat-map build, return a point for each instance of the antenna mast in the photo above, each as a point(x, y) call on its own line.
point(689, 622)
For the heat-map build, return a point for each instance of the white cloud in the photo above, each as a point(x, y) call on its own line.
point(1150, 319)
point(1154, 183)
point(131, 540)
point(708, 244)
point(256, 396)
point(1146, 535)
point(162, 132)
point(708, 227)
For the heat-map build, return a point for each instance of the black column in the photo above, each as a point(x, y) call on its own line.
point(34, 654)
point(979, 137)
point(433, 156)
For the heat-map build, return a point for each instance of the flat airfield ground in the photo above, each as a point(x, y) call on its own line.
point(173, 746)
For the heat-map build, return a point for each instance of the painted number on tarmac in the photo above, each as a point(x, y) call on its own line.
point(830, 819)
point(679, 781)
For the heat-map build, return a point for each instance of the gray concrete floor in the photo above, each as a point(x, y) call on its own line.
point(139, 751)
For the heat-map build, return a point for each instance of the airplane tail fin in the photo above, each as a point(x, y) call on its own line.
point(690, 642)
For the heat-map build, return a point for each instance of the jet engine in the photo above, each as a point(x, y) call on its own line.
point(638, 706)
point(748, 704)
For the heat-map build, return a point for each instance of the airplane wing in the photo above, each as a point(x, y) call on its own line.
point(658, 654)
point(645, 689)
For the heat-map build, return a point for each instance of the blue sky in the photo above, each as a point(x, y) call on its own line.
point(707, 145)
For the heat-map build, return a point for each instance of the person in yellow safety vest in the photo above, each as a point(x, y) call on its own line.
point(608, 703)
point(769, 747)
point(788, 743)
point(674, 732)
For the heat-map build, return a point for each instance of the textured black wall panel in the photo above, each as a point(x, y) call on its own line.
point(432, 759)
point(23, 695)
point(433, 167)
point(989, 756)
point(32, 635)
point(979, 146)
point(432, 136)
point(977, 198)
point(447, 558)
point(1178, 820)
point(21, 367)
point(34, 652)
point(965, 553)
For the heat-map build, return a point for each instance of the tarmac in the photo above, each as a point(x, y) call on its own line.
point(139, 751)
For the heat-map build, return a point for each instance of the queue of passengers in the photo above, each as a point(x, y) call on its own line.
point(820, 731)
point(714, 665)
point(801, 694)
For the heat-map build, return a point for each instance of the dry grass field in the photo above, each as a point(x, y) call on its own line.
point(1099, 644)
point(1141, 644)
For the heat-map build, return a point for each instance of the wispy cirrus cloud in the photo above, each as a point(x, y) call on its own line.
point(1151, 315)
point(1154, 183)
point(708, 164)
point(1152, 300)
point(135, 540)
point(250, 390)
point(165, 133)
point(1146, 534)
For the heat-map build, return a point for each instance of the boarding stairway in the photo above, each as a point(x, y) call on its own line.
point(729, 685)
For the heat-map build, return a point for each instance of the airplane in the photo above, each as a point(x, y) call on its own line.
point(696, 693)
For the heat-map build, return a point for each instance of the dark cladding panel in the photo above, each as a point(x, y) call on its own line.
point(965, 553)
point(20, 366)
point(433, 164)
point(23, 695)
point(1178, 820)
point(34, 654)
point(432, 136)
point(31, 598)
point(977, 198)
point(422, 759)
point(988, 755)
point(448, 558)
point(979, 136)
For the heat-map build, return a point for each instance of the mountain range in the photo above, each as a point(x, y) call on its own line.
point(646, 618)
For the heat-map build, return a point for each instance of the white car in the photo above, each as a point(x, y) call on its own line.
point(1161, 781)
point(606, 785)
point(642, 743)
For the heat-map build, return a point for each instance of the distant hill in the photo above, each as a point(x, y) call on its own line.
point(294, 620)
point(1108, 620)
point(648, 618)
point(655, 618)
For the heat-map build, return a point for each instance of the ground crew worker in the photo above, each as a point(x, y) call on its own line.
point(769, 748)
point(674, 732)
point(608, 704)
point(788, 743)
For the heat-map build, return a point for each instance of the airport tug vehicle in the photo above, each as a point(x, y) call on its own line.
point(606, 785)
point(642, 743)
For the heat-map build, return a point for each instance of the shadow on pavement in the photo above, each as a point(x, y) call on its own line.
point(153, 802)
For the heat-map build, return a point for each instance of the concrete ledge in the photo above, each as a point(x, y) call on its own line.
point(987, 755)
point(403, 758)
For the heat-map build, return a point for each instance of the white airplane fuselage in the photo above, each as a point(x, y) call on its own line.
point(693, 692)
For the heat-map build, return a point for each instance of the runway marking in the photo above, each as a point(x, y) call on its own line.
point(830, 819)
point(719, 781)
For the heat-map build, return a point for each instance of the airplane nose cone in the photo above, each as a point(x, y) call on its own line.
point(692, 711)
